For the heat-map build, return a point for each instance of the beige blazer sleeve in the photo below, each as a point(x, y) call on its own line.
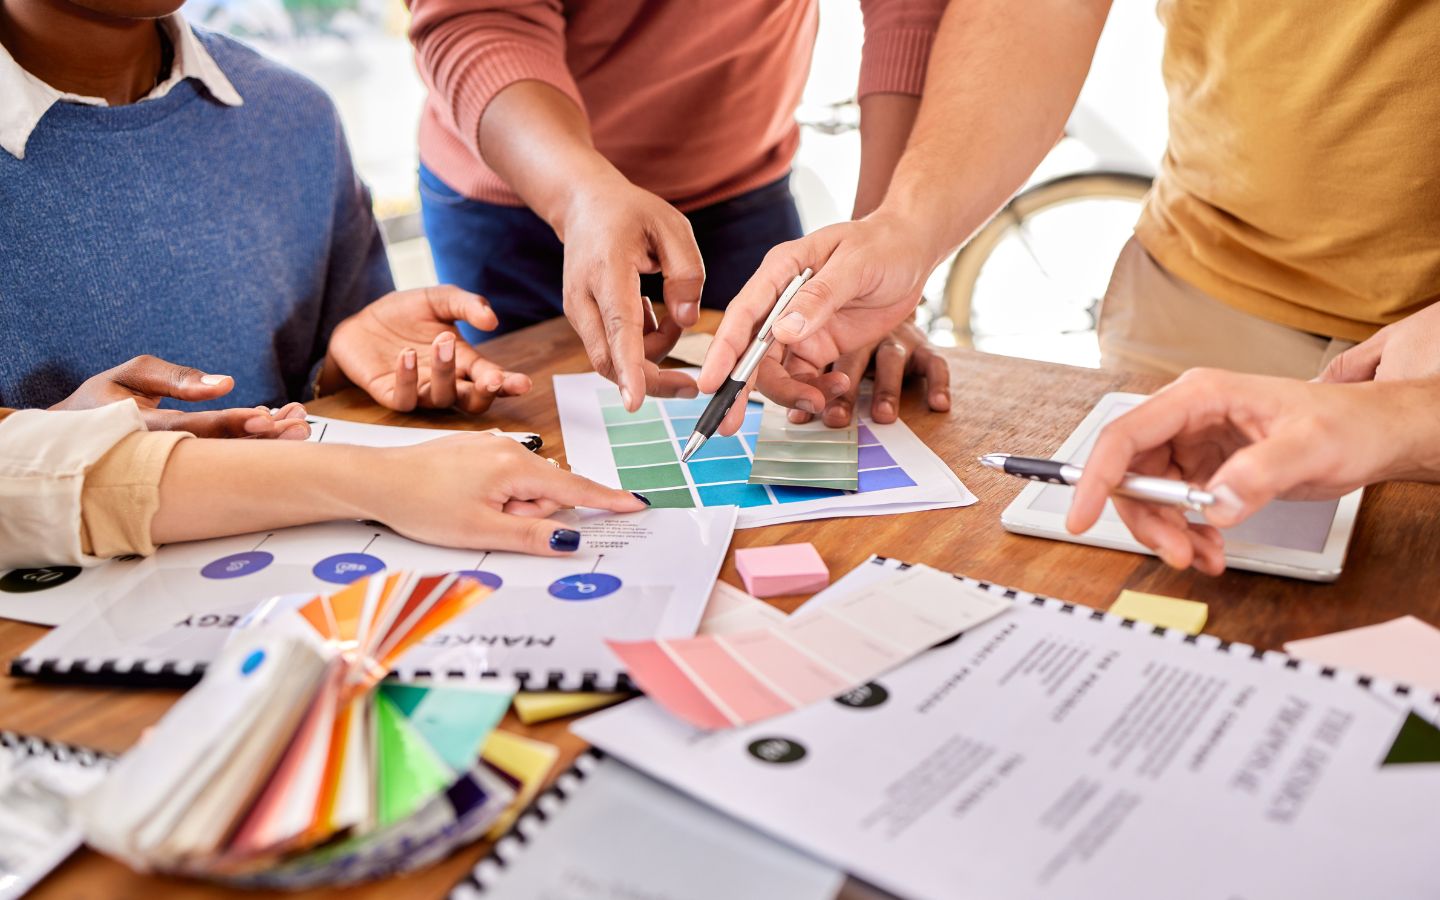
point(78, 487)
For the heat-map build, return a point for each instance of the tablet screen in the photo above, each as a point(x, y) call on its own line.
point(1289, 524)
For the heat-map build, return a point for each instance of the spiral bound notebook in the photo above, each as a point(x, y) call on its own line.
point(38, 780)
point(636, 576)
point(605, 830)
point(1062, 751)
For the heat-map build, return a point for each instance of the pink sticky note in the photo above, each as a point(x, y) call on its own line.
point(782, 569)
point(1405, 650)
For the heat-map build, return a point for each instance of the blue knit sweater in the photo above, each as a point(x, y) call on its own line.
point(230, 239)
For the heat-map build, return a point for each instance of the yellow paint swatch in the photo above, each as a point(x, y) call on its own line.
point(1182, 615)
point(523, 759)
point(542, 706)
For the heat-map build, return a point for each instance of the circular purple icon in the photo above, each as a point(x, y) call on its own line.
point(587, 586)
point(489, 579)
point(237, 565)
point(343, 568)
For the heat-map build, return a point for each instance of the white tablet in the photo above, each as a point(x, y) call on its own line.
point(1294, 539)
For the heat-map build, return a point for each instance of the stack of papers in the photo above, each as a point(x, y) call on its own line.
point(291, 765)
point(813, 454)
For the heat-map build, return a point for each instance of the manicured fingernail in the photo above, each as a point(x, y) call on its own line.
point(445, 349)
point(409, 359)
point(1228, 504)
point(565, 540)
point(641, 497)
point(794, 323)
point(884, 408)
point(212, 380)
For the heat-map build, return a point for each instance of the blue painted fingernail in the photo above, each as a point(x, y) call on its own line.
point(565, 540)
point(641, 497)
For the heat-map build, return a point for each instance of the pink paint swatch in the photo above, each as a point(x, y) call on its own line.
point(719, 681)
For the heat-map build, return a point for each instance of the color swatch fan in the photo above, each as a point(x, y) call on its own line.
point(292, 765)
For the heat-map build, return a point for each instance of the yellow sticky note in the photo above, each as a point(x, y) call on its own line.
point(525, 760)
point(542, 706)
point(1182, 615)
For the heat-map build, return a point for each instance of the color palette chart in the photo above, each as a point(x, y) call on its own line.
point(725, 680)
point(640, 451)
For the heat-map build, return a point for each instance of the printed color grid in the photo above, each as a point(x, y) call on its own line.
point(646, 446)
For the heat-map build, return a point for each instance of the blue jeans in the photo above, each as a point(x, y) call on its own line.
point(511, 257)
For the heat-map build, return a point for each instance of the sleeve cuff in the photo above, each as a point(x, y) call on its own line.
point(893, 61)
point(122, 495)
point(499, 66)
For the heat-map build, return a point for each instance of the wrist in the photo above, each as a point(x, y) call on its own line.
point(583, 191)
point(1418, 458)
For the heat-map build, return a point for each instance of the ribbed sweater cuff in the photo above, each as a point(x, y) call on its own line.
point(495, 68)
point(894, 61)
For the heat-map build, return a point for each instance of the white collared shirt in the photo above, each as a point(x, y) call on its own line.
point(27, 98)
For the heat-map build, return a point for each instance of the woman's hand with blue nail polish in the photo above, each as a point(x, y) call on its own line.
point(480, 492)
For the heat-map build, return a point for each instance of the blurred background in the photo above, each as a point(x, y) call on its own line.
point(1029, 284)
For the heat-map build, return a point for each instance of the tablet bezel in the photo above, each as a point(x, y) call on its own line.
point(1324, 565)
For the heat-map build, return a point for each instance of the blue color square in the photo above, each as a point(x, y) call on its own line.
point(683, 427)
point(751, 440)
point(710, 471)
point(717, 447)
point(692, 407)
point(752, 421)
point(795, 494)
point(875, 457)
point(733, 495)
point(882, 479)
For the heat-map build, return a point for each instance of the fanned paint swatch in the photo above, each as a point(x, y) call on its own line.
point(725, 680)
point(809, 455)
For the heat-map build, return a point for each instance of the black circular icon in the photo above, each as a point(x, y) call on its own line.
point(777, 750)
point(28, 581)
point(864, 697)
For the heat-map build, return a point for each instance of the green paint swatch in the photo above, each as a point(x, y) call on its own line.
point(651, 477)
point(637, 432)
point(615, 415)
point(408, 772)
point(673, 499)
point(455, 721)
point(1417, 742)
point(645, 454)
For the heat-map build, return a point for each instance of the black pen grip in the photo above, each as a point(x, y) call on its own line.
point(1035, 469)
point(720, 404)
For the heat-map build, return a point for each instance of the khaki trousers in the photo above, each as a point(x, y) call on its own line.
point(1152, 322)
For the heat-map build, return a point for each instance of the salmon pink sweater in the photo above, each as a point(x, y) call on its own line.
point(693, 100)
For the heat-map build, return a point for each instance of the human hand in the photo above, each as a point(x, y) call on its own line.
point(1250, 439)
point(148, 380)
point(614, 232)
point(1407, 349)
point(481, 492)
point(905, 351)
point(376, 349)
point(868, 278)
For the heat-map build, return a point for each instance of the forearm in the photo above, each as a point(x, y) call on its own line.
point(1003, 78)
point(535, 138)
point(886, 121)
point(212, 488)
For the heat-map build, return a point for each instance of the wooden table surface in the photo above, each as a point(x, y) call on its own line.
point(1000, 404)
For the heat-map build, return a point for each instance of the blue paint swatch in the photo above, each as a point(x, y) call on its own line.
point(733, 495)
point(795, 494)
point(883, 479)
point(710, 471)
point(717, 447)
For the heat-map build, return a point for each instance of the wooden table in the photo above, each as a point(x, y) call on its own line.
point(1000, 404)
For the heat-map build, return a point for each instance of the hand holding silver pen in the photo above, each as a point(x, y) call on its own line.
point(1147, 488)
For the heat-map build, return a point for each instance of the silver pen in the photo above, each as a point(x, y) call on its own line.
point(1164, 491)
point(724, 398)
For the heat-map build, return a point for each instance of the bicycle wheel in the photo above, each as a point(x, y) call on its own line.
point(1030, 282)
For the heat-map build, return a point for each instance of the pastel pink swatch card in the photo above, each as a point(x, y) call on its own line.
point(734, 678)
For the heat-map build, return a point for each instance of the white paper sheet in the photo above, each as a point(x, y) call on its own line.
point(1056, 753)
point(39, 785)
point(898, 473)
point(619, 834)
point(639, 575)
